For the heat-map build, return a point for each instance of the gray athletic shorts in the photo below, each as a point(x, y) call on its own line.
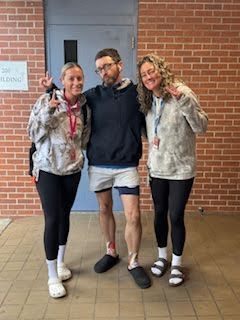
point(105, 178)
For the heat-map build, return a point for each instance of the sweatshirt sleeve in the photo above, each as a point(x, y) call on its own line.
point(41, 119)
point(195, 116)
point(87, 129)
point(143, 126)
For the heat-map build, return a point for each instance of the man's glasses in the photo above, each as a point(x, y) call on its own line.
point(105, 67)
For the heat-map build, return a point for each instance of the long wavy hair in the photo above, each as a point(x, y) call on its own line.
point(145, 96)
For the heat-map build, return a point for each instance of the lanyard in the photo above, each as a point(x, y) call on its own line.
point(73, 123)
point(72, 119)
point(158, 110)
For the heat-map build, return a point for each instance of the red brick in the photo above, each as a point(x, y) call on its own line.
point(206, 49)
point(199, 40)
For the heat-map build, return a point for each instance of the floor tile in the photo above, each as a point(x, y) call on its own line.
point(210, 292)
point(30, 312)
point(181, 308)
point(156, 309)
point(205, 308)
point(229, 307)
point(131, 309)
point(107, 309)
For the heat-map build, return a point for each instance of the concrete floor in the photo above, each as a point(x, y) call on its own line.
point(211, 292)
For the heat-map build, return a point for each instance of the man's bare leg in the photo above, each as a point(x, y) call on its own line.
point(133, 229)
point(108, 227)
point(106, 217)
point(133, 234)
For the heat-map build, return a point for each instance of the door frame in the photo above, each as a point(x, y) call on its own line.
point(58, 12)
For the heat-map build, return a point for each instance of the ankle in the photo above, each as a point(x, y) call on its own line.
point(162, 252)
point(111, 248)
point(176, 260)
point(52, 269)
point(133, 260)
point(61, 253)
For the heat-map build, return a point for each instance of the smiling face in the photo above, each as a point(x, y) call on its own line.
point(72, 81)
point(151, 77)
point(109, 70)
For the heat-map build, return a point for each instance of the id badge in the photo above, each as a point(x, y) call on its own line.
point(156, 142)
point(72, 154)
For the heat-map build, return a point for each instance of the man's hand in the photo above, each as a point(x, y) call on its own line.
point(54, 102)
point(174, 92)
point(46, 82)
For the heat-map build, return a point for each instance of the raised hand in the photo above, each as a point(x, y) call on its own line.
point(54, 102)
point(46, 82)
point(174, 92)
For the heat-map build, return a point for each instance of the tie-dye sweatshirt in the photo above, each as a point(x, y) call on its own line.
point(49, 129)
point(180, 121)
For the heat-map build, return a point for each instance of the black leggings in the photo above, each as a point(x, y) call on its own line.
point(170, 196)
point(57, 194)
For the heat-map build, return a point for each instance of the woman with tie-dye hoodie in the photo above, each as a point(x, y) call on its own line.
point(60, 132)
point(173, 118)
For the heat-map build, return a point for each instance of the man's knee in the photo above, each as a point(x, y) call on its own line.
point(133, 218)
point(105, 207)
point(105, 202)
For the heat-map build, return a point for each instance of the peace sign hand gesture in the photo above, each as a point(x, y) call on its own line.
point(46, 82)
point(174, 92)
point(54, 102)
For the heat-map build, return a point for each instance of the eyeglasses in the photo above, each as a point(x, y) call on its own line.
point(105, 68)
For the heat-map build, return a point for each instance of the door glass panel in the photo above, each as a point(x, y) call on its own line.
point(70, 51)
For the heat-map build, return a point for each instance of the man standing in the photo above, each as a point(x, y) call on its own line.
point(113, 153)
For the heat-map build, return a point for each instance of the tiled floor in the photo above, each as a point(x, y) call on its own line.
point(212, 255)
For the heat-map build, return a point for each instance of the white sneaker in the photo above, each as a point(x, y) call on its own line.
point(63, 272)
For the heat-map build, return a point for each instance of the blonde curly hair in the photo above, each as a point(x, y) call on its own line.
point(145, 96)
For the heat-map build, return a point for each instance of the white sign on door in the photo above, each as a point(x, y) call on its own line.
point(13, 75)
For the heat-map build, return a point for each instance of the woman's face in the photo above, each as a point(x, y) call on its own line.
point(73, 82)
point(151, 77)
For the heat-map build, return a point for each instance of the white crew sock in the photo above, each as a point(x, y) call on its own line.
point(52, 269)
point(61, 253)
point(162, 253)
point(176, 261)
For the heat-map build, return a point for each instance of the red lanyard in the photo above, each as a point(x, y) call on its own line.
point(73, 123)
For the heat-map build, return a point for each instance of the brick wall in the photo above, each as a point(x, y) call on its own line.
point(201, 42)
point(200, 39)
point(21, 39)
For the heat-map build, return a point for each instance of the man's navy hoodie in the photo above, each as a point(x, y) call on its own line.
point(116, 126)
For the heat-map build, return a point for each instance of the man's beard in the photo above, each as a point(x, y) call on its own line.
point(109, 81)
